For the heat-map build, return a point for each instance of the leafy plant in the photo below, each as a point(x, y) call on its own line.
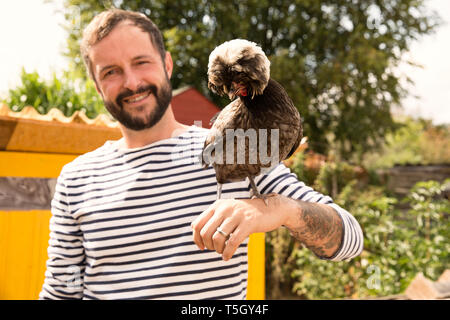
point(398, 244)
point(280, 264)
point(65, 93)
point(334, 176)
point(434, 144)
point(415, 142)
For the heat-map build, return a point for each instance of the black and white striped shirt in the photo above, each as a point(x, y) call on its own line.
point(120, 226)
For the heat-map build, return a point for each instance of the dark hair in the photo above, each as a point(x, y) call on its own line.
point(106, 21)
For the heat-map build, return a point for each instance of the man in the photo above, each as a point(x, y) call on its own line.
point(136, 219)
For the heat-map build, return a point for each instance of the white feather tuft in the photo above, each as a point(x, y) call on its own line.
point(231, 51)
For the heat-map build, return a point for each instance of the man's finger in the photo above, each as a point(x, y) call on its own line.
point(219, 238)
point(199, 223)
point(237, 237)
point(210, 228)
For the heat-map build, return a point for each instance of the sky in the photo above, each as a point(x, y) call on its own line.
point(432, 80)
point(31, 37)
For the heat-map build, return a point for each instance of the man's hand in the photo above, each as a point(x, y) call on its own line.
point(238, 219)
point(318, 226)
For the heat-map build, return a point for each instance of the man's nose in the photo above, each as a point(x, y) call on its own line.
point(131, 81)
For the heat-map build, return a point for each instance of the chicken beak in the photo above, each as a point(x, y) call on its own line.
point(235, 90)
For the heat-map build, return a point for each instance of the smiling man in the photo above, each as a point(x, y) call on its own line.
point(132, 71)
point(134, 220)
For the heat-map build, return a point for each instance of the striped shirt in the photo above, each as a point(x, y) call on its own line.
point(120, 225)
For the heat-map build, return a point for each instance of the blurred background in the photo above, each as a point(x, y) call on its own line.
point(371, 80)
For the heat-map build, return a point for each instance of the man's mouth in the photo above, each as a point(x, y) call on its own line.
point(137, 97)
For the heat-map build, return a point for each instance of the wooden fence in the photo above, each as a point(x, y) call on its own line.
point(400, 179)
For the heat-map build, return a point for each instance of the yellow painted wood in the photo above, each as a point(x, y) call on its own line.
point(24, 234)
point(29, 164)
point(23, 246)
point(23, 252)
point(76, 137)
point(256, 267)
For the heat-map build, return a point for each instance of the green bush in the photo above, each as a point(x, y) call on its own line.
point(280, 264)
point(397, 245)
point(333, 177)
point(298, 167)
point(415, 142)
point(66, 93)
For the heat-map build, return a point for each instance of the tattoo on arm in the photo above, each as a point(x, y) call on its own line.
point(319, 228)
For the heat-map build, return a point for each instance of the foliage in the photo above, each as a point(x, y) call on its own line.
point(397, 245)
point(65, 93)
point(336, 58)
point(414, 142)
point(334, 176)
point(305, 164)
point(298, 167)
point(434, 144)
point(280, 264)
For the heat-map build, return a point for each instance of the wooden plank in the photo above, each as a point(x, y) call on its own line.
point(26, 193)
point(422, 288)
point(445, 276)
point(401, 179)
point(256, 267)
point(6, 131)
point(24, 239)
point(28, 164)
point(55, 137)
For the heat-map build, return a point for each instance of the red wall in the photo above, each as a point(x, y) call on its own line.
point(190, 105)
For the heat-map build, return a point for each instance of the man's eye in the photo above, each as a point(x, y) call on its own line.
point(142, 62)
point(109, 73)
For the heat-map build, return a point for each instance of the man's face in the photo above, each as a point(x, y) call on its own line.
point(131, 77)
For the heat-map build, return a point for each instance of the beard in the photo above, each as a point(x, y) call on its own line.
point(163, 97)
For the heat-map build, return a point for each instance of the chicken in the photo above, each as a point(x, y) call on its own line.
point(240, 69)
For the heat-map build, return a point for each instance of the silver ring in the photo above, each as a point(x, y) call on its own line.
point(226, 235)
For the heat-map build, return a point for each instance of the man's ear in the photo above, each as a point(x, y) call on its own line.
point(168, 64)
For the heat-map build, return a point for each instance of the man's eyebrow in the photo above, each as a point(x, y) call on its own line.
point(142, 57)
point(106, 68)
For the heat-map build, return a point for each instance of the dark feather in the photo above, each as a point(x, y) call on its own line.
point(266, 106)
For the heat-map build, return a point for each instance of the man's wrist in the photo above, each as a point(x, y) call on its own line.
point(292, 213)
point(317, 226)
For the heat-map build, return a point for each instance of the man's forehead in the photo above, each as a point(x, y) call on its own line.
point(126, 32)
point(126, 40)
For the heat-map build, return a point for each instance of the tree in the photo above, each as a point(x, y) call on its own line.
point(336, 58)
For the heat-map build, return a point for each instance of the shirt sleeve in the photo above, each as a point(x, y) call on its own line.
point(282, 181)
point(65, 265)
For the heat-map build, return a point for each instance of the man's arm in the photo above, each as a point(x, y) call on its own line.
point(282, 181)
point(65, 264)
point(330, 231)
point(318, 226)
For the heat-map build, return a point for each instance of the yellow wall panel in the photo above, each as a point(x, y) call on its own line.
point(256, 267)
point(33, 165)
point(23, 252)
point(24, 234)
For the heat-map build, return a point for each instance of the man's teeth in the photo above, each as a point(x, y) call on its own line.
point(137, 98)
